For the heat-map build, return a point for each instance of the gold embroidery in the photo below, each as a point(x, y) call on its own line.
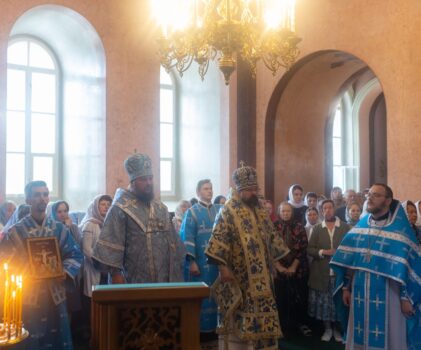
point(111, 245)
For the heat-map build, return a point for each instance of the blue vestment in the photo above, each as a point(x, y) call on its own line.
point(196, 230)
point(44, 302)
point(380, 258)
point(138, 239)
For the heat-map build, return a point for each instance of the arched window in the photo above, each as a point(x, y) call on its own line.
point(345, 149)
point(337, 156)
point(167, 135)
point(32, 119)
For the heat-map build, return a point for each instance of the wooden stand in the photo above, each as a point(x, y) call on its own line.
point(147, 316)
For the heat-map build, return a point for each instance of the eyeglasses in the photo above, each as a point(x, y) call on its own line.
point(374, 195)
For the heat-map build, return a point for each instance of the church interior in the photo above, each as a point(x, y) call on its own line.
point(345, 114)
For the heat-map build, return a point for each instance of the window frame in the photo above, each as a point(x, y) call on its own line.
point(172, 194)
point(349, 137)
point(29, 156)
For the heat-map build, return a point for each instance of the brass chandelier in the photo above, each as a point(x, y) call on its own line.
point(202, 30)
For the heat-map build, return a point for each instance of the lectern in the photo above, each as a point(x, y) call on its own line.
point(156, 316)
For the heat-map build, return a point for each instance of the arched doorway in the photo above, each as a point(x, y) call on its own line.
point(299, 130)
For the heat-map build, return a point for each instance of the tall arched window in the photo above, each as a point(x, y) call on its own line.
point(32, 116)
point(337, 156)
point(167, 135)
point(345, 159)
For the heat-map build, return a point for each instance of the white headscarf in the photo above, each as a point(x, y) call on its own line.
point(417, 205)
point(291, 196)
point(93, 214)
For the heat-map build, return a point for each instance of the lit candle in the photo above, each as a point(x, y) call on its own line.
point(14, 308)
point(5, 295)
point(19, 301)
point(12, 301)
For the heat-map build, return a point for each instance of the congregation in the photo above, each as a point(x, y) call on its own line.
point(273, 269)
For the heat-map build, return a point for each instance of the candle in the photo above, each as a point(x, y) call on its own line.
point(5, 301)
point(14, 308)
point(19, 301)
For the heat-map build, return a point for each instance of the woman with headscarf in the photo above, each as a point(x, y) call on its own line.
point(20, 212)
point(295, 198)
point(6, 211)
point(219, 200)
point(310, 200)
point(312, 219)
point(412, 214)
point(60, 213)
point(418, 206)
point(337, 196)
point(268, 205)
point(180, 209)
point(353, 213)
point(292, 273)
point(91, 227)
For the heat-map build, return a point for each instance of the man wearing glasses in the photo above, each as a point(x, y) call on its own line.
point(378, 267)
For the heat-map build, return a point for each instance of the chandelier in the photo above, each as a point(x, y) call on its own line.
point(202, 30)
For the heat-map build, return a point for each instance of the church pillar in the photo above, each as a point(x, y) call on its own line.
point(246, 114)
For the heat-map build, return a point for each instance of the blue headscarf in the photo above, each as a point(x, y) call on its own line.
point(55, 206)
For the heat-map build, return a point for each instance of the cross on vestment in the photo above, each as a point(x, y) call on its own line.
point(382, 243)
point(393, 263)
point(377, 332)
point(358, 239)
point(345, 254)
point(202, 226)
point(411, 254)
point(358, 299)
point(367, 256)
point(358, 328)
point(377, 301)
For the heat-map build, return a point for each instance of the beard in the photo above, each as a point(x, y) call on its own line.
point(252, 201)
point(374, 210)
point(145, 197)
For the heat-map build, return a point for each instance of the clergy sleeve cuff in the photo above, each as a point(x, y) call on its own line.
point(212, 261)
point(190, 257)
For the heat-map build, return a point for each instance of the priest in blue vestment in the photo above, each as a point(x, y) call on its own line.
point(378, 267)
point(44, 300)
point(137, 243)
point(196, 230)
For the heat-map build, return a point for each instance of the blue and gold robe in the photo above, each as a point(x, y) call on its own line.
point(384, 264)
point(44, 302)
point(195, 231)
point(139, 240)
point(244, 239)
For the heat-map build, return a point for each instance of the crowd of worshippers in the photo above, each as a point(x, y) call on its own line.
point(284, 266)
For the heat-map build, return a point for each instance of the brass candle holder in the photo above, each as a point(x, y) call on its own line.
point(11, 330)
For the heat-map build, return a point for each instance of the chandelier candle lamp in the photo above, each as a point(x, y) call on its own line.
point(11, 330)
point(202, 30)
